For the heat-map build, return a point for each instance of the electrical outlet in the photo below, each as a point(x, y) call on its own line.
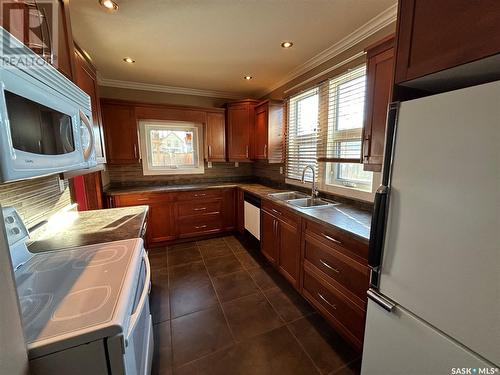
point(61, 185)
point(236, 164)
point(209, 164)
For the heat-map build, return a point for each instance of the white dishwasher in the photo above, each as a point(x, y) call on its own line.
point(252, 214)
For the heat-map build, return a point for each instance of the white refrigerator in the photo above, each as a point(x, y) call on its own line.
point(434, 298)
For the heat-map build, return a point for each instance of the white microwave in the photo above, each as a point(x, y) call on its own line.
point(45, 120)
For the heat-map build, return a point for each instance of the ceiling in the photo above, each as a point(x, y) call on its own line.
point(212, 44)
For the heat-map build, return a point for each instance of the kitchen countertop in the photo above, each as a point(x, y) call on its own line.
point(72, 228)
point(348, 218)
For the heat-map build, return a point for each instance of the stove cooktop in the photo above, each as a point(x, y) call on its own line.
point(64, 294)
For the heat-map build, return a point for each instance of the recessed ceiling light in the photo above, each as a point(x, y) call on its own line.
point(109, 4)
point(248, 78)
point(129, 60)
point(286, 44)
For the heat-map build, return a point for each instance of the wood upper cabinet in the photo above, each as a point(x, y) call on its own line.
point(215, 137)
point(32, 22)
point(86, 79)
point(120, 129)
point(380, 64)
point(436, 35)
point(240, 130)
point(269, 130)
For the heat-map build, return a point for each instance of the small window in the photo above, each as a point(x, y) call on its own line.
point(171, 147)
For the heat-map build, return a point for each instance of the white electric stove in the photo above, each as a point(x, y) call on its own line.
point(85, 310)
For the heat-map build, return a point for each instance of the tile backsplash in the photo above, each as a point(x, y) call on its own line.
point(37, 199)
point(131, 174)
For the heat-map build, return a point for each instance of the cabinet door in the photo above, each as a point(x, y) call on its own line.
point(120, 129)
point(240, 129)
point(161, 223)
point(436, 35)
point(215, 137)
point(269, 241)
point(261, 129)
point(289, 251)
point(85, 78)
point(229, 208)
point(64, 61)
point(378, 92)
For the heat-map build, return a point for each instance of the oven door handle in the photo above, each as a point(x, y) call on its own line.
point(145, 291)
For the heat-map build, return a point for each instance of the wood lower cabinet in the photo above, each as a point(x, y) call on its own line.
point(280, 240)
point(269, 241)
point(336, 278)
point(186, 214)
point(380, 65)
point(161, 217)
point(240, 130)
point(437, 35)
point(120, 129)
point(215, 137)
point(269, 131)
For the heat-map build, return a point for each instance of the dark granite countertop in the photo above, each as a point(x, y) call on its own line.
point(352, 220)
point(73, 228)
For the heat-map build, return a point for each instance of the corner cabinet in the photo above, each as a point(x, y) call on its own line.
point(437, 35)
point(269, 131)
point(215, 137)
point(240, 130)
point(380, 67)
point(120, 129)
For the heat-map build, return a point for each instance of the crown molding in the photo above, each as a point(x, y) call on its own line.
point(377, 23)
point(167, 89)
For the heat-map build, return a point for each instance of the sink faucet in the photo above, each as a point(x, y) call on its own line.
point(314, 190)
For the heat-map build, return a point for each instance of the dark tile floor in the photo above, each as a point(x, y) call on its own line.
point(219, 308)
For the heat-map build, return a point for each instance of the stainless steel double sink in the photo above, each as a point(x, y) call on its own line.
point(301, 200)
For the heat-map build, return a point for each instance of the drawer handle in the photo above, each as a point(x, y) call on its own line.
point(200, 195)
point(199, 209)
point(276, 211)
point(200, 227)
point(329, 304)
point(331, 239)
point(328, 266)
point(142, 199)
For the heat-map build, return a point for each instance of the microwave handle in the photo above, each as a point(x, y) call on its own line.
point(145, 291)
point(86, 121)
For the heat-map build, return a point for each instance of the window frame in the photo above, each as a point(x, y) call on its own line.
point(145, 151)
point(363, 191)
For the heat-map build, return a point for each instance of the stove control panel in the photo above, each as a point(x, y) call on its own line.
point(14, 226)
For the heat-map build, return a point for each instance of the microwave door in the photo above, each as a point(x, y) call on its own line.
point(66, 134)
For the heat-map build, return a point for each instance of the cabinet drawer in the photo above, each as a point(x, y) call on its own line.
point(339, 240)
point(199, 194)
point(196, 225)
point(281, 213)
point(136, 199)
point(344, 270)
point(348, 317)
point(199, 208)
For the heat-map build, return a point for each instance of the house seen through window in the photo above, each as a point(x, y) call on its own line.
point(171, 147)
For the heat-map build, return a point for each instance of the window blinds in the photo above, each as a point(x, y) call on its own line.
point(340, 137)
point(302, 133)
point(325, 123)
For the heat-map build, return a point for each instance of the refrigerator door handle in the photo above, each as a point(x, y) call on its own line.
point(380, 300)
point(378, 228)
